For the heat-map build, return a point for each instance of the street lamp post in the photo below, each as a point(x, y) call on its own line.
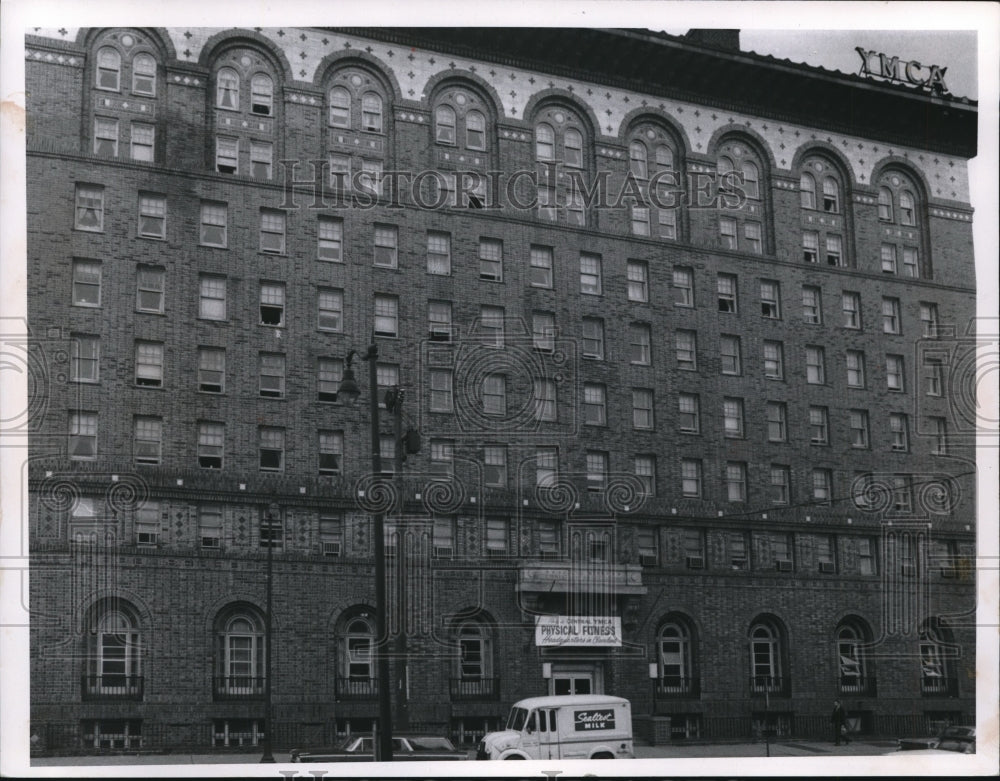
point(350, 391)
point(272, 512)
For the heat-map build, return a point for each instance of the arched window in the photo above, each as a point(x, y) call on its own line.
point(109, 68)
point(767, 673)
point(371, 112)
point(340, 107)
point(936, 649)
point(144, 75)
point(545, 142)
point(907, 211)
point(664, 157)
point(742, 214)
point(724, 166)
point(475, 130)
point(444, 125)
point(831, 195)
point(227, 89)
point(114, 655)
point(261, 94)
point(573, 141)
point(474, 664)
point(674, 654)
point(807, 191)
point(854, 677)
point(240, 653)
point(356, 670)
point(885, 204)
point(637, 160)
point(751, 180)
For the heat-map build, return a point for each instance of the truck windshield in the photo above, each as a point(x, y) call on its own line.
point(516, 719)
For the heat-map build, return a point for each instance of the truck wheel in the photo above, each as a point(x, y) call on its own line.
point(514, 756)
point(602, 755)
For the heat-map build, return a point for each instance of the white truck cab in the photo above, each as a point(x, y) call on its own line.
point(572, 726)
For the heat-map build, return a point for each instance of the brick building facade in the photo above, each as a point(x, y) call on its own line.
point(726, 426)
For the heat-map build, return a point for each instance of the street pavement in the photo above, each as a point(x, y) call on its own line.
point(780, 748)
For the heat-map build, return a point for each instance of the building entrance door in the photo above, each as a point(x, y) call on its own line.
point(576, 679)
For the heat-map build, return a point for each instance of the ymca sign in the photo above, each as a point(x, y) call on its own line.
point(883, 66)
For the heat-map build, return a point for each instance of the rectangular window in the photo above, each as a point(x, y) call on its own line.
point(329, 373)
point(780, 484)
point(214, 218)
point(866, 556)
point(640, 220)
point(271, 449)
point(370, 180)
point(86, 283)
point(590, 274)
point(546, 201)
point(642, 408)
point(491, 259)
point(646, 543)
point(331, 452)
point(934, 372)
point(149, 364)
point(549, 539)
point(340, 172)
point(227, 154)
point(438, 253)
point(688, 413)
point(147, 532)
point(597, 470)
point(683, 286)
point(330, 309)
point(640, 344)
point(387, 454)
point(106, 136)
point(540, 274)
point(152, 216)
point(819, 427)
point(386, 315)
point(911, 266)
point(684, 342)
point(261, 156)
point(834, 251)
point(645, 470)
point(781, 547)
point(821, 485)
point(89, 207)
point(211, 297)
point(594, 405)
point(939, 432)
point(443, 457)
point(727, 293)
point(729, 348)
point(148, 440)
point(211, 442)
point(210, 527)
point(386, 242)
point(825, 556)
point(888, 255)
point(331, 534)
point(727, 233)
point(732, 418)
point(272, 304)
point(638, 281)
point(736, 481)
point(899, 430)
point(774, 360)
point(543, 331)
point(330, 239)
point(593, 338)
point(851, 304)
point(150, 283)
point(777, 421)
point(693, 546)
point(739, 558)
point(495, 466)
point(439, 321)
point(491, 322)
point(272, 375)
point(85, 361)
point(272, 231)
point(443, 536)
point(143, 141)
point(387, 376)
point(894, 373)
point(855, 369)
point(496, 536)
point(902, 494)
point(752, 234)
point(929, 319)
point(667, 220)
point(546, 466)
point(810, 247)
point(272, 530)
point(494, 394)
point(545, 400)
point(211, 369)
point(83, 435)
point(812, 311)
point(858, 420)
point(770, 299)
point(815, 366)
point(691, 477)
point(890, 316)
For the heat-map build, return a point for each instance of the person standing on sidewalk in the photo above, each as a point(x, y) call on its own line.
point(839, 721)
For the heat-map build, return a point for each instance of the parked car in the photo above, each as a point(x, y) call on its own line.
point(960, 740)
point(405, 748)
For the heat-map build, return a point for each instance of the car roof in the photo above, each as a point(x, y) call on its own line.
point(570, 699)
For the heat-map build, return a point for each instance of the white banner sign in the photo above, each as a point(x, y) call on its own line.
point(578, 630)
